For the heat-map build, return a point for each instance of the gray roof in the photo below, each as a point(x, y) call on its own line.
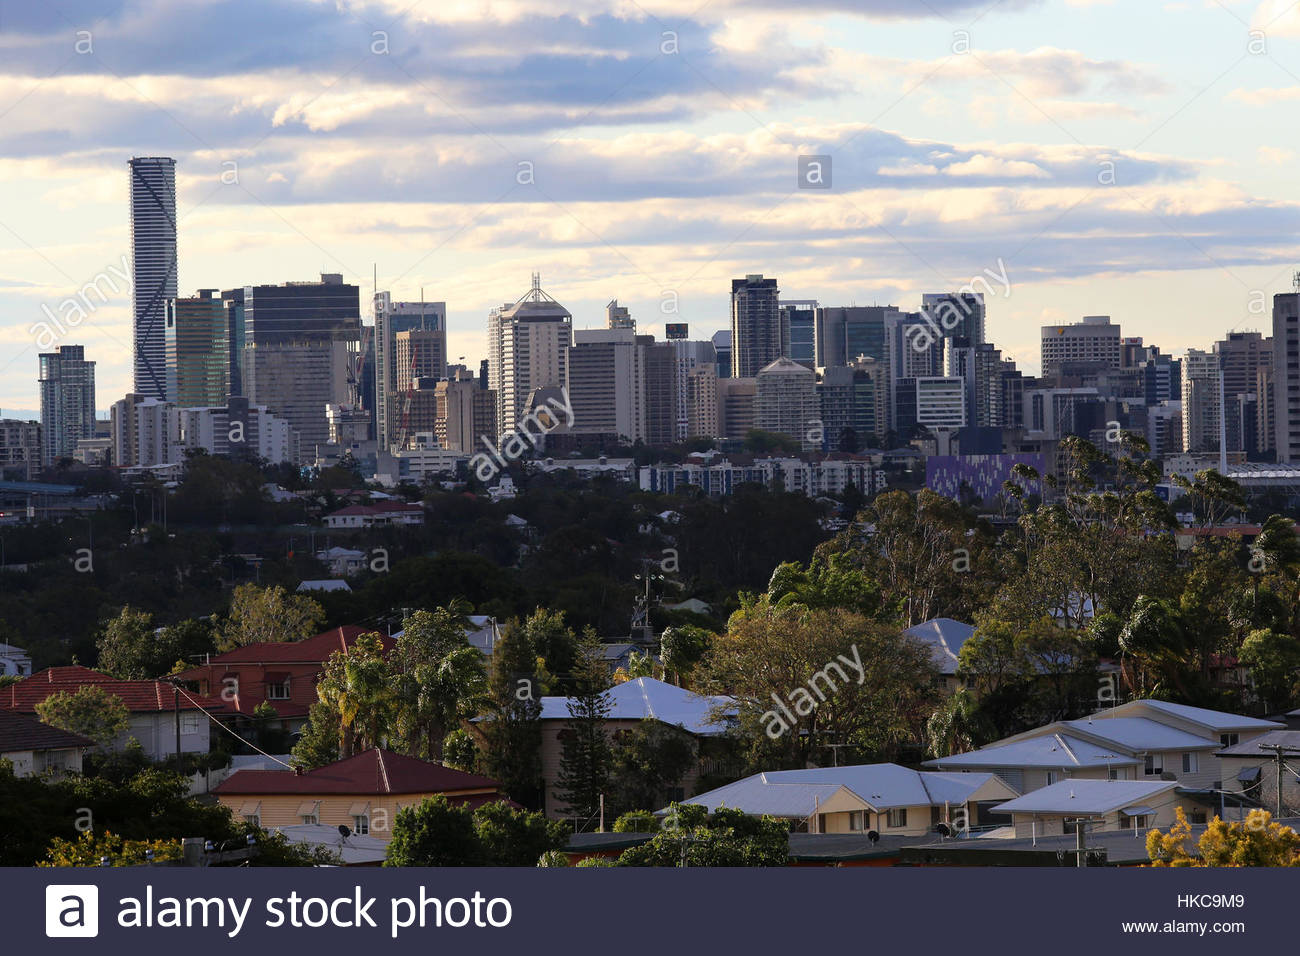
point(1141, 733)
point(1250, 748)
point(1214, 720)
point(356, 850)
point(648, 699)
point(1087, 797)
point(1048, 751)
point(945, 637)
point(797, 793)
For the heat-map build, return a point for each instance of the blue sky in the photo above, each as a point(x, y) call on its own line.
point(1135, 160)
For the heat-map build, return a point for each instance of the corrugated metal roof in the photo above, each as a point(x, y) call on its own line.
point(1086, 797)
point(646, 698)
point(1216, 720)
point(945, 637)
point(1142, 733)
point(1049, 751)
point(1250, 748)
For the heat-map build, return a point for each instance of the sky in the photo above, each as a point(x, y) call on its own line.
point(1130, 159)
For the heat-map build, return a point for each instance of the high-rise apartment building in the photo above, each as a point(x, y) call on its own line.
point(799, 331)
point(737, 406)
point(955, 315)
point(618, 316)
point(852, 403)
point(756, 330)
point(1242, 356)
point(145, 432)
point(20, 449)
point(1202, 401)
point(662, 390)
point(467, 413)
point(1286, 375)
point(419, 354)
point(153, 263)
point(528, 345)
point(198, 351)
point(787, 402)
point(605, 379)
point(691, 354)
point(702, 402)
point(1095, 340)
point(67, 385)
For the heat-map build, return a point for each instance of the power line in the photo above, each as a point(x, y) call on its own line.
point(214, 720)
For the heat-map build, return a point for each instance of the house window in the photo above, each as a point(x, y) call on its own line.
point(254, 818)
point(191, 723)
point(855, 820)
point(1191, 763)
point(897, 817)
point(1197, 816)
point(1229, 740)
point(311, 818)
point(361, 825)
point(1049, 778)
point(277, 689)
point(1155, 765)
point(1140, 822)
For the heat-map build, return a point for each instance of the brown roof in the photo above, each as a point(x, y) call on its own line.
point(314, 650)
point(18, 732)
point(369, 772)
point(140, 696)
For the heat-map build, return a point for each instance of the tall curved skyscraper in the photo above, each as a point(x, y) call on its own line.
point(153, 261)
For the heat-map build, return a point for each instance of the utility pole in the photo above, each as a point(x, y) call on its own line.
point(1279, 756)
point(176, 707)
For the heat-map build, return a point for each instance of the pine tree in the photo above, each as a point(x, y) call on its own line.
point(586, 756)
point(513, 726)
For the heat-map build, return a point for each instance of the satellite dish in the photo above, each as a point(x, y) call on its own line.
point(943, 830)
point(344, 831)
point(872, 836)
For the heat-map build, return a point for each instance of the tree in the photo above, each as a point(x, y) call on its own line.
point(554, 643)
point(649, 762)
point(513, 725)
point(91, 849)
point(957, 726)
point(358, 686)
point(510, 837)
point(442, 678)
point(460, 751)
point(1274, 662)
point(434, 833)
point(1259, 841)
point(131, 648)
point(90, 711)
point(680, 649)
point(691, 836)
point(637, 821)
point(585, 755)
point(268, 615)
point(319, 743)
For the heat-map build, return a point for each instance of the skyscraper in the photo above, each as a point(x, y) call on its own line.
point(1202, 405)
point(153, 261)
point(605, 379)
point(391, 318)
point(756, 335)
point(528, 345)
point(1095, 340)
point(618, 316)
point(67, 383)
point(798, 331)
point(198, 351)
point(1286, 374)
point(846, 333)
point(1242, 356)
point(787, 403)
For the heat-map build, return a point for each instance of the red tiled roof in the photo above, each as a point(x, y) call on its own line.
point(18, 732)
point(314, 650)
point(140, 696)
point(382, 507)
point(370, 772)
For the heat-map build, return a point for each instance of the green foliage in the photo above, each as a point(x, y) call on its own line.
point(319, 743)
point(1258, 841)
point(357, 686)
point(648, 762)
point(442, 679)
point(585, 755)
point(91, 849)
point(132, 648)
point(90, 711)
point(1274, 662)
point(268, 615)
point(691, 836)
point(681, 647)
point(460, 750)
point(637, 821)
point(438, 833)
point(553, 858)
point(513, 724)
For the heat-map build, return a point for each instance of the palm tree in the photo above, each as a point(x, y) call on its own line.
point(443, 679)
point(957, 726)
point(357, 685)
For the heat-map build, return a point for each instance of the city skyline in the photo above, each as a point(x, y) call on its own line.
point(1103, 196)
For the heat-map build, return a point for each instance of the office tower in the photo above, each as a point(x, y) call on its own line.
point(145, 432)
point(690, 355)
point(1286, 374)
point(956, 315)
point(467, 413)
point(852, 403)
point(1265, 426)
point(737, 406)
point(67, 384)
point(605, 379)
point(980, 368)
point(1094, 340)
point(940, 402)
point(618, 316)
point(299, 349)
point(153, 263)
point(722, 346)
point(528, 345)
point(756, 335)
point(1162, 377)
point(1202, 401)
point(1013, 395)
point(662, 391)
point(786, 402)
point(392, 318)
point(20, 449)
point(844, 333)
point(913, 351)
point(799, 331)
point(233, 300)
point(198, 351)
point(702, 402)
point(1242, 355)
point(419, 354)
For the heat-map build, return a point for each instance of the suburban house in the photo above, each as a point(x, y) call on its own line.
point(1108, 805)
point(483, 633)
point(881, 797)
point(32, 747)
point(945, 638)
point(282, 674)
point(378, 515)
point(1139, 740)
point(631, 702)
point(156, 708)
point(362, 792)
point(342, 562)
point(14, 661)
point(1252, 772)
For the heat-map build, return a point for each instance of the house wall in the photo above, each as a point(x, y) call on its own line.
point(1053, 824)
point(918, 822)
point(29, 762)
point(279, 810)
point(1266, 791)
point(156, 732)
